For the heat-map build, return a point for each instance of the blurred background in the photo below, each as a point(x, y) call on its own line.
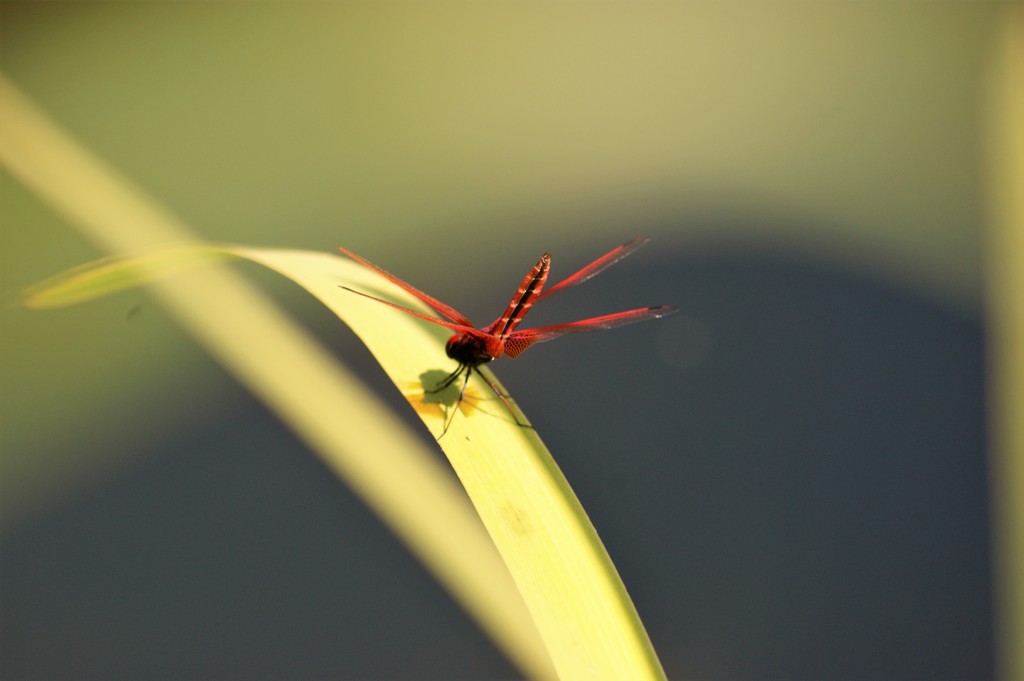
point(790, 474)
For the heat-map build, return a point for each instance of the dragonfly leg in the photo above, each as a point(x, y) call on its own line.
point(462, 394)
point(449, 379)
point(504, 400)
point(468, 370)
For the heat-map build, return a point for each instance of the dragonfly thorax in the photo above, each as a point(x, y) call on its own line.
point(468, 350)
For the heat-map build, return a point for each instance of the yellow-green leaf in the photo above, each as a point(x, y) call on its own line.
point(108, 276)
point(555, 556)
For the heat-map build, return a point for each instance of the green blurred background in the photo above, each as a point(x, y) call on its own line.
point(790, 474)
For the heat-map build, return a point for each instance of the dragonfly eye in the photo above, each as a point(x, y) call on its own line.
point(466, 349)
point(449, 347)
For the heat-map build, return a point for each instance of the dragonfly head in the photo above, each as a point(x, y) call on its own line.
point(467, 350)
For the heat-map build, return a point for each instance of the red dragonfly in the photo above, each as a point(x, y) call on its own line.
point(471, 347)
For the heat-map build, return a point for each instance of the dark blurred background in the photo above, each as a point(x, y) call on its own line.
point(790, 474)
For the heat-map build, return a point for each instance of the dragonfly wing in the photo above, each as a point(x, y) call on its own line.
point(440, 308)
point(518, 342)
point(598, 266)
point(461, 328)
